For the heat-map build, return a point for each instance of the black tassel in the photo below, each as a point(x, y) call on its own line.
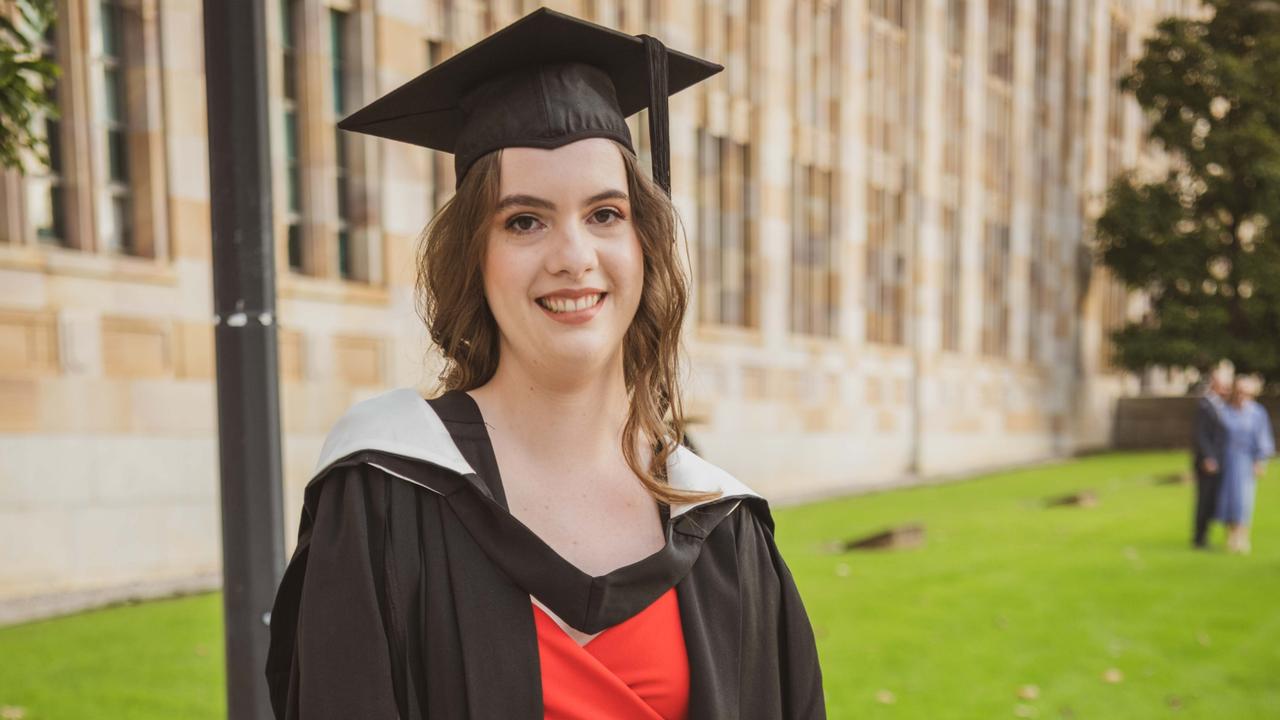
point(658, 137)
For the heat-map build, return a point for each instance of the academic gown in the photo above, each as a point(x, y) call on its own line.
point(409, 593)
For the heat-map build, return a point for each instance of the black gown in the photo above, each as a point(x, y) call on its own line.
point(408, 595)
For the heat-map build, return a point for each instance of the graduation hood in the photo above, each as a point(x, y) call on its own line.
point(401, 422)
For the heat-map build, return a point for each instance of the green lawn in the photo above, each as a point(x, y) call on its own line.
point(158, 660)
point(1005, 594)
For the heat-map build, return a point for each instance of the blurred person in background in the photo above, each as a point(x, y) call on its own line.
point(1248, 442)
point(1208, 436)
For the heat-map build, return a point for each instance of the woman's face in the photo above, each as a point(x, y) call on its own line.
point(563, 269)
point(1241, 394)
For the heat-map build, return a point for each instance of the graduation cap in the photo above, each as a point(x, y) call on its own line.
point(545, 80)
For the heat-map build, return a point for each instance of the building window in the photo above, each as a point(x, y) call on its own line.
point(951, 278)
point(816, 84)
point(438, 165)
point(326, 215)
point(952, 172)
point(1117, 101)
point(339, 56)
point(814, 278)
point(725, 190)
point(998, 177)
point(117, 228)
point(724, 222)
point(1114, 300)
point(886, 266)
point(995, 306)
point(1042, 246)
point(46, 185)
point(103, 189)
point(46, 201)
point(814, 295)
point(289, 32)
point(1112, 315)
point(888, 126)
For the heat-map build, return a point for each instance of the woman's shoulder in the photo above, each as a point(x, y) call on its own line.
point(398, 422)
point(686, 470)
point(730, 497)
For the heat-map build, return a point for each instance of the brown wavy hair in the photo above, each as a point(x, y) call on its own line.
point(450, 299)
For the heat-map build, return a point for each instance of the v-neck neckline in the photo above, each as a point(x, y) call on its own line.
point(588, 603)
point(495, 484)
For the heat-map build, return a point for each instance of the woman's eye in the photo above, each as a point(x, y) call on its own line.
point(605, 216)
point(523, 223)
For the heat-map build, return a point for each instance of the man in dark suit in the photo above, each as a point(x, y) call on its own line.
point(1207, 438)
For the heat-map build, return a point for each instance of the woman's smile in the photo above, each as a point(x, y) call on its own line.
point(572, 311)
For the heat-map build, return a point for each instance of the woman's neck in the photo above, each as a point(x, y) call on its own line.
point(577, 418)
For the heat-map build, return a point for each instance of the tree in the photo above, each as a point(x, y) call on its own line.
point(26, 76)
point(1203, 242)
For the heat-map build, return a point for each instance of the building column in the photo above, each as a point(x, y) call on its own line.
point(75, 28)
point(851, 245)
point(924, 324)
point(147, 129)
point(1022, 173)
point(972, 189)
point(771, 145)
point(367, 223)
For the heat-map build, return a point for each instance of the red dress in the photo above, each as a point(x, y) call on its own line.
point(636, 669)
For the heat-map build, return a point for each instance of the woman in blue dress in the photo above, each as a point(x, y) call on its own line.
point(1249, 441)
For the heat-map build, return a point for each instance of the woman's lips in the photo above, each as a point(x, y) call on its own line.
point(575, 317)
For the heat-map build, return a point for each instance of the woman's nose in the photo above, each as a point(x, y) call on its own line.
point(573, 251)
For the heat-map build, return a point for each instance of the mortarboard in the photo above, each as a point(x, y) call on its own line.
point(545, 80)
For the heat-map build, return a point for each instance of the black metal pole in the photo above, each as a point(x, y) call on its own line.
point(245, 342)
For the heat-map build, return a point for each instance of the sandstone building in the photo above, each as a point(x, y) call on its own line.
point(888, 207)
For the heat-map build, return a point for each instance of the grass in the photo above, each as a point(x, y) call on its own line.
point(160, 659)
point(1007, 593)
point(1004, 594)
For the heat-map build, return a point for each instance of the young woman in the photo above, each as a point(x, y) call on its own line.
point(535, 542)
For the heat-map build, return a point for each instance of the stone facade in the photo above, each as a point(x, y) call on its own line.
point(887, 204)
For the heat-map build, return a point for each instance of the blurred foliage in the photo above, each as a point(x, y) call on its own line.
point(26, 76)
point(1202, 242)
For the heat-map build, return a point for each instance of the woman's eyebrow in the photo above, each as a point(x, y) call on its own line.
point(606, 195)
point(534, 201)
point(528, 200)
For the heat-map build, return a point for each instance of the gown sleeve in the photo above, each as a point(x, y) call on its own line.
point(803, 675)
point(330, 655)
point(779, 639)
